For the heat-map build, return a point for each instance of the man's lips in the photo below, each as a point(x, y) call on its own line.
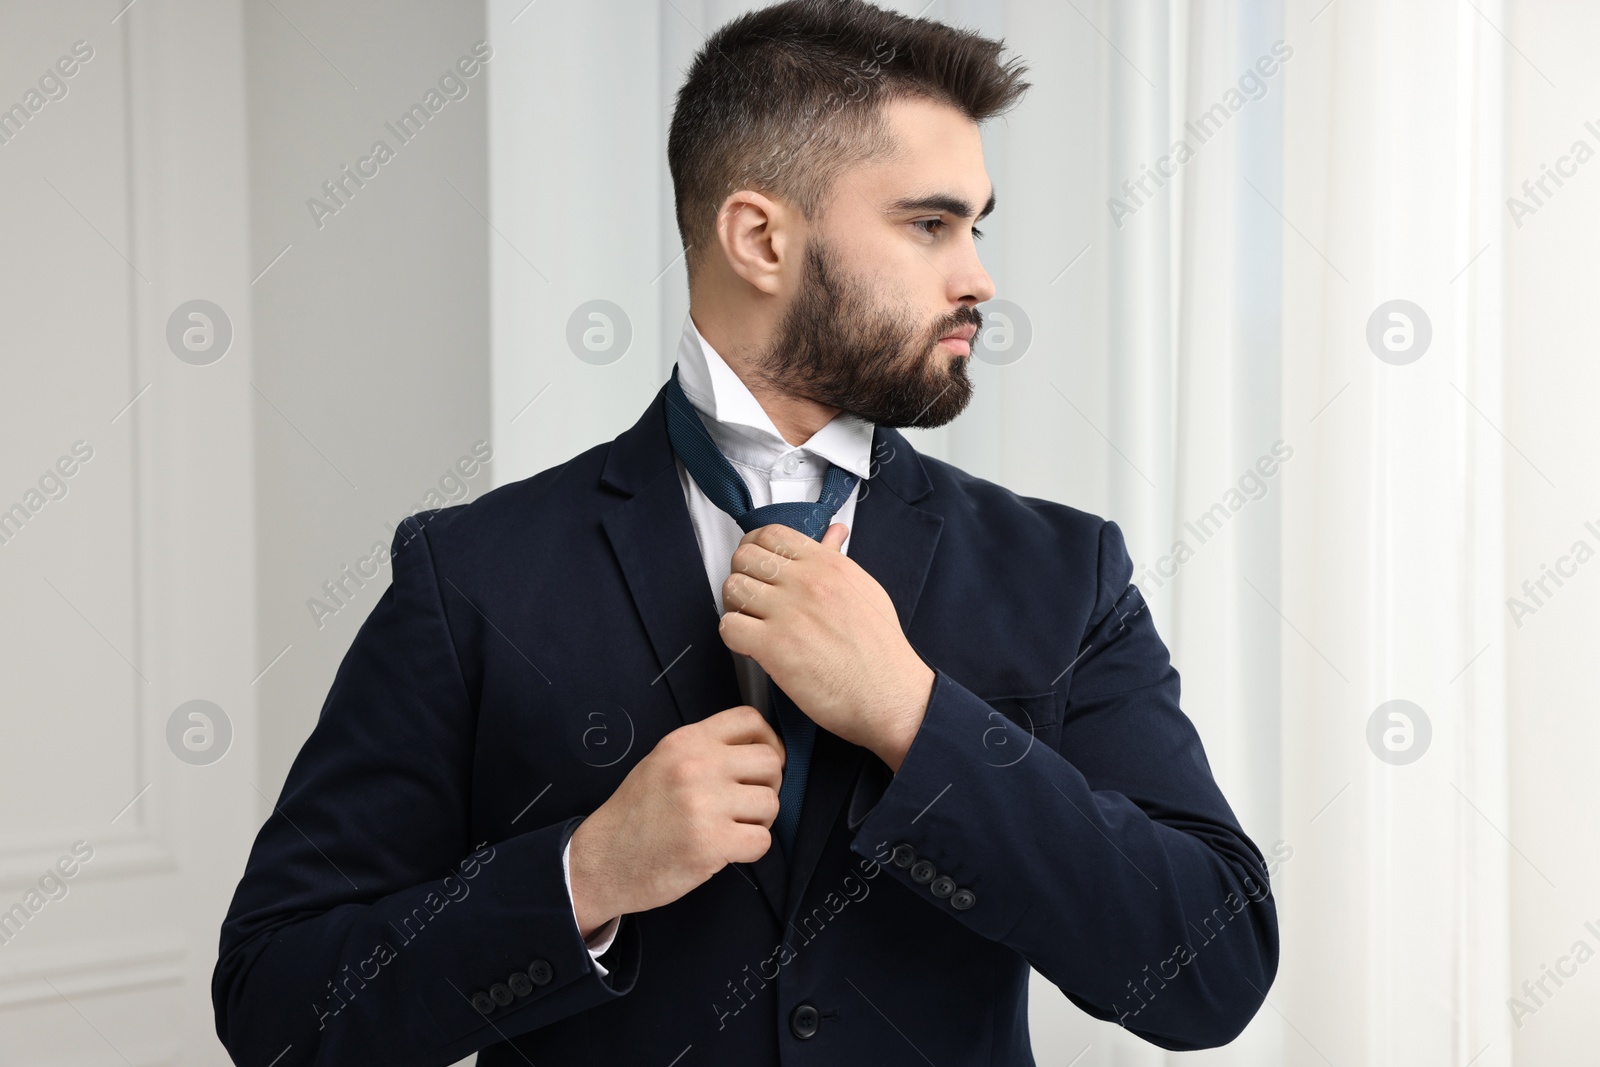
point(960, 340)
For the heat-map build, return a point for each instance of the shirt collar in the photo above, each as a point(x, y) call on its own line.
point(741, 427)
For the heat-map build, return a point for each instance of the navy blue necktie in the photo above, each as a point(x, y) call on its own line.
point(725, 488)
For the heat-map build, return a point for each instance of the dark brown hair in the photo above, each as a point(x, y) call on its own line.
point(784, 99)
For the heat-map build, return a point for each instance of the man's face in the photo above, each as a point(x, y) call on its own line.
point(890, 270)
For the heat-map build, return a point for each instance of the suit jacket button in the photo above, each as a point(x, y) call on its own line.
point(482, 1002)
point(922, 872)
point(903, 855)
point(521, 985)
point(803, 1021)
point(942, 886)
point(501, 993)
point(963, 898)
point(541, 972)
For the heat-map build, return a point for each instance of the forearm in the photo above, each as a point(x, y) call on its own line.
point(1095, 891)
point(342, 983)
point(598, 934)
point(586, 883)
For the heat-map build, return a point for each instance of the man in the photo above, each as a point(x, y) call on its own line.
point(754, 735)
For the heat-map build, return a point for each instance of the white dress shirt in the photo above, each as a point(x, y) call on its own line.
point(774, 470)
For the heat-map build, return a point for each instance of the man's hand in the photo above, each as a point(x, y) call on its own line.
point(705, 797)
point(827, 633)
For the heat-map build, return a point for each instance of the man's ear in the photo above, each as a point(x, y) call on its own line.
point(757, 237)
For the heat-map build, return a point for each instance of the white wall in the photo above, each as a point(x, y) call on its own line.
point(1551, 493)
point(371, 329)
point(220, 492)
point(133, 593)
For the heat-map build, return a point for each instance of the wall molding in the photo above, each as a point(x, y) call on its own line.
point(90, 969)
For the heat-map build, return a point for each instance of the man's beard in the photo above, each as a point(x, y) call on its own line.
point(837, 346)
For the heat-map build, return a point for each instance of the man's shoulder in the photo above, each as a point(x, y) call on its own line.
point(1015, 538)
point(517, 514)
point(963, 497)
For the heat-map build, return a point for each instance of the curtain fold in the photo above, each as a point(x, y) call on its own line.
point(1397, 923)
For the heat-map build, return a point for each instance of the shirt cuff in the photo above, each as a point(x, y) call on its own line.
point(599, 941)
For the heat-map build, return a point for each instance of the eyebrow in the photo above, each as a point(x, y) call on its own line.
point(943, 202)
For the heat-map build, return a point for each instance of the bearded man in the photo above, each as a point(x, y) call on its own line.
point(754, 736)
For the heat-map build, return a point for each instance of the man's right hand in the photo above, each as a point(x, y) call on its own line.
point(706, 796)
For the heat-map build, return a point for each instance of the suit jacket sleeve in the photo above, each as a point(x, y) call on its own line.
point(1114, 865)
point(367, 917)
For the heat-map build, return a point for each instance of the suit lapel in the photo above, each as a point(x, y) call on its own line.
point(655, 546)
point(656, 549)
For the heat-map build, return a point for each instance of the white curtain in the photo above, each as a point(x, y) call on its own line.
point(1393, 539)
point(1369, 567)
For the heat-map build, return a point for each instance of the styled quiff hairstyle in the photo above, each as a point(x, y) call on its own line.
point(784, 99)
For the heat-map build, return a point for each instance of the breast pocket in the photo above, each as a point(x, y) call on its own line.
point(1018, 724)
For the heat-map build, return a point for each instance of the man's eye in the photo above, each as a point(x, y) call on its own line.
point(977, 234)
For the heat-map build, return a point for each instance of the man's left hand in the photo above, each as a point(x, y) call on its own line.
point(828, 635)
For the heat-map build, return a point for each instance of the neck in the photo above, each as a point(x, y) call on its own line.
point(795, 417)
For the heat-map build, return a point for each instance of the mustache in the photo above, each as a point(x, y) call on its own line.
point(966, 316)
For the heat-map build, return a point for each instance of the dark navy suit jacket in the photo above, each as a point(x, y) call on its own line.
point(405, 904)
